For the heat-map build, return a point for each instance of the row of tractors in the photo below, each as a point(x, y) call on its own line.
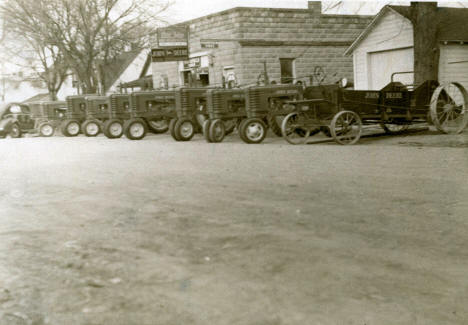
point(288, 110)
point(183, 112)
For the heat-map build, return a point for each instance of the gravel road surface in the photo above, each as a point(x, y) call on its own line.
point(96, 231)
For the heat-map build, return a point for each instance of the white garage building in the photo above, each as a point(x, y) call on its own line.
point(386, 47)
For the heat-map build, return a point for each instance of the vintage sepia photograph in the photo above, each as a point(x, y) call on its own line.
point(233, 162)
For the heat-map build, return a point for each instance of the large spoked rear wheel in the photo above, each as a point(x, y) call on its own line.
point(46, 130)
point(253, 130)
point(448, 108)
point(217, 130)
point(346, 127)
point(135, 129)
point(158, 125)
point(292, 129)
point(113, 129)
point(394, 128)
point(184, 129)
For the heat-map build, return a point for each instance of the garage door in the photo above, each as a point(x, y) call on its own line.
point(453, 64)
point(383, 64)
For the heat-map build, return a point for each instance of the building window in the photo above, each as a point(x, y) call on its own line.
point(204, 79)
point(287, 70)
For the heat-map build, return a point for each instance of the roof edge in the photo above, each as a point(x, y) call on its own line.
point(226, 11)
point(366, 31)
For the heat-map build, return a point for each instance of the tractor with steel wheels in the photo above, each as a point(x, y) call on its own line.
point(149, 110)
point(345, 113)
point(266, 107)
point(225, 108)
point(117, 113)
point(191, 113)
point(97, 112)
point(47, 116)
point(75, 115)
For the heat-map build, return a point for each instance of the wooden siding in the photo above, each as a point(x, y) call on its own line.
point(393, 31)
point(453, 64)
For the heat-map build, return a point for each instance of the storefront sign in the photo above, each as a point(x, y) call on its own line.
point(169, 54)
point(209, 45)
point(194, 62)
point(172, 36)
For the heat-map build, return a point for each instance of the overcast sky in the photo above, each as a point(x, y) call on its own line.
point(188, 9)
point(183, 10)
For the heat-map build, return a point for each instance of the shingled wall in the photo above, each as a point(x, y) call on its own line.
point(248, 36)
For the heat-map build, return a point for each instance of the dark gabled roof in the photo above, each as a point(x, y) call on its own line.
point(453, 23)
point(114, 69)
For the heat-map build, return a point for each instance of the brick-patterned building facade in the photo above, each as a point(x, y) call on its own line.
point(232, 45)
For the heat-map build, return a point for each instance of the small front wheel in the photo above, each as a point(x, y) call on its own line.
point(91, 128)
point(136, 129)
point(217, 131)
point(253, 130)
point(184, 129)
point(71, 128)
point(46, 130)
point(113, 129)
point(346, 127)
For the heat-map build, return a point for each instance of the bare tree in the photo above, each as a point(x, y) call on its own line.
point(23, 46)
point(84, 35)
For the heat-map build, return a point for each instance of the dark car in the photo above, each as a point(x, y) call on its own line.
point(15, 119)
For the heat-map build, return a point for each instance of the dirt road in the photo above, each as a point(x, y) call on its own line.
point(96, 231)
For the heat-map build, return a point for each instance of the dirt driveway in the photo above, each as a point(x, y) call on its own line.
point(98, 231)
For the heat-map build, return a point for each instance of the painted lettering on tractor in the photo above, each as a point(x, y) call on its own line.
point(286, 92)
point(163, 98)
point(397, 95)
point(372, 95)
